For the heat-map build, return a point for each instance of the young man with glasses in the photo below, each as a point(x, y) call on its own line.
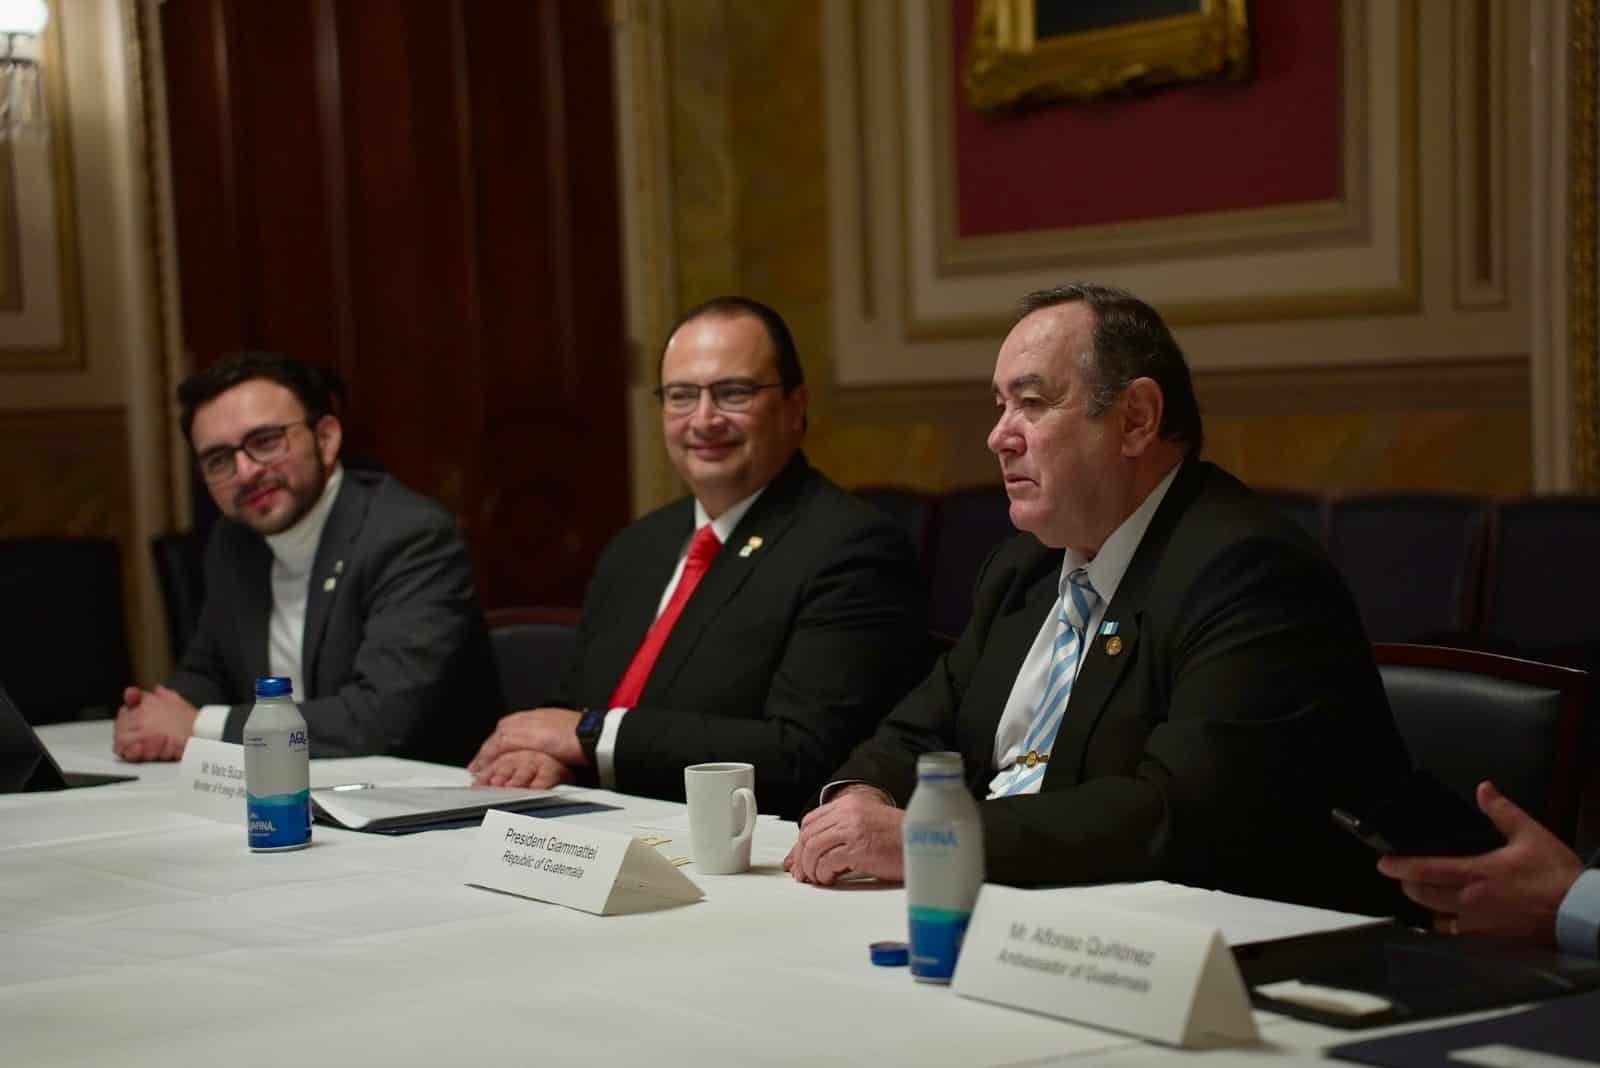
point(768, 617)
point(345, 581)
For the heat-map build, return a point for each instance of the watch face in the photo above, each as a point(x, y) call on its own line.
point(592, 723)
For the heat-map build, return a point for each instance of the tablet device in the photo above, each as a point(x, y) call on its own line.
point(26, 765)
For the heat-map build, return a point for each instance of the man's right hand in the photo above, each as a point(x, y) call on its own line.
point(524, 768)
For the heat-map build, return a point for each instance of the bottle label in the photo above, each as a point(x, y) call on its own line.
point(280, 820)
point(936, 936)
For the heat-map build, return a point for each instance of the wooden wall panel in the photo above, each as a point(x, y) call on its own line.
point(423, 195)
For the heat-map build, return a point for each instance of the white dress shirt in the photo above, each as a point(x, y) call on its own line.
point(1105, 575)
point(293, 553)
point(605, 767)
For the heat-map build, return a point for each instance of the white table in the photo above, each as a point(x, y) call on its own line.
point(133, 934)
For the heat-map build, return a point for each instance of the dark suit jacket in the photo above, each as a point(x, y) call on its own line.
point(396, 658)
point(1243, 705)
point(784, 657)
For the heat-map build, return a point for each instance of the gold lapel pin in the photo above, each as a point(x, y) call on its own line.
point(752, 545)
point(1113, 645)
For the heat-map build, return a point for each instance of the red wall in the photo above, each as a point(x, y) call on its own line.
point(1274, 139)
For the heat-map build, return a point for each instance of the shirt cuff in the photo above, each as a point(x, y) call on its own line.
point(604, 766)
point(1578, 922)
point(839, 784)
point(210, 721)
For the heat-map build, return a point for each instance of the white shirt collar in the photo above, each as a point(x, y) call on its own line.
point(1111, 562)
point(296, 548)
point(725, 522)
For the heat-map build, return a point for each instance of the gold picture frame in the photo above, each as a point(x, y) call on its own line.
point(1012, 66)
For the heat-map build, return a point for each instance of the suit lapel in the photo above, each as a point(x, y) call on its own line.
point(634, 609)
point(749, 547)
point(1108, 655)
point(1014, 629)
point(329, 570)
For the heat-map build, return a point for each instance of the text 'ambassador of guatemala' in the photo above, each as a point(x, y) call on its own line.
point(1163, 678)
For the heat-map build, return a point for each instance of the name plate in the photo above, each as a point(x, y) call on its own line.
point(211, 780)
point(1134, 972)
point(579, 867)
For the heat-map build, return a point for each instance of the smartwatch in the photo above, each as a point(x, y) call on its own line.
point(590, 726)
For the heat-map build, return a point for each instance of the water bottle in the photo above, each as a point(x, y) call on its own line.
point(944, 865)
point(277, 770)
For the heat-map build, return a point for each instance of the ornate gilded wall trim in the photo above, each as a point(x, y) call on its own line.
point(1011, 65)
point(1581, 239)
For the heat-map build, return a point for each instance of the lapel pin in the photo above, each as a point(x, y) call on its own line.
point(338, 567)
point(1113, 645)
point(1108, 627)
point(752, 545)
point(329, 584)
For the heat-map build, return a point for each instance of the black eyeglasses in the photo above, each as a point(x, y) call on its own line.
point(264, 444)
point(728, 395)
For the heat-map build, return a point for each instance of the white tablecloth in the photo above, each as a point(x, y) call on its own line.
point(132, 934)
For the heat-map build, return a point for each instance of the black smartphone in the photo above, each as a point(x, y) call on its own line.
point(1424, 818)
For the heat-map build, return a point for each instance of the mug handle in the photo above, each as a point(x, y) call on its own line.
point(745, 798)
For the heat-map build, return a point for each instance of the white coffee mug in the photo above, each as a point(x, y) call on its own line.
point(722, 816)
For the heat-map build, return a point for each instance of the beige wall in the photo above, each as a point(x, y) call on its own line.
point(1435, 397)
point(83, 438)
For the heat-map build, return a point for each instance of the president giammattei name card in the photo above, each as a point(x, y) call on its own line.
point(567, 864)
point(1136, 972)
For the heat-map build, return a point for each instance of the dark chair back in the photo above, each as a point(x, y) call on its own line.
point(1308, 510)
point(913, 511)
point(64, 638)
point(969, 524)
point(532, 647)
point(180, 569)
point(1467, 716)
point(1542, 577)
point(1412, 560)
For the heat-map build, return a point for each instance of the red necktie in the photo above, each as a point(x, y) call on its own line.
point(702, 549)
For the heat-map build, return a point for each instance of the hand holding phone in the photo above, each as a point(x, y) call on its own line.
point(1424, 818)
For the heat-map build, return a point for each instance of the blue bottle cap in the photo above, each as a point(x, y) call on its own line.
point(274, 686)
point(891, 954)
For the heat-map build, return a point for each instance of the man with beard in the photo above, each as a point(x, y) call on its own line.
point(344, 581)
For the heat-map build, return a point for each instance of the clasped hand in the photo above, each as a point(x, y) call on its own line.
point(536, 748)
point(152, 725)
point(858, 830)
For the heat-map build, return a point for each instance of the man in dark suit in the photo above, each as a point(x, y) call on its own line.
point(1162, 678)
point(345, 581)
point(769, 617)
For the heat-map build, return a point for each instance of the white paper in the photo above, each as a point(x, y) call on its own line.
point(1241, 920)
point(1134, 972)
point(582, 868)
point(211, 781)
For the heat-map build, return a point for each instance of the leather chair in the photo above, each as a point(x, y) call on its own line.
point(1467, 716)
point(1308, 510)
point(180, 570)
point(1412, 560)
point(968, 526)
point(532, 648)
point(1542, 579)
point(64, 641)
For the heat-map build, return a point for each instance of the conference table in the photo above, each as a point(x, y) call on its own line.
point(135, 933)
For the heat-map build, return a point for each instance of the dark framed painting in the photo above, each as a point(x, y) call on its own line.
point(1032, 51)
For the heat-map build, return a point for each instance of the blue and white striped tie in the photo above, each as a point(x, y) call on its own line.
point(1076, 605)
